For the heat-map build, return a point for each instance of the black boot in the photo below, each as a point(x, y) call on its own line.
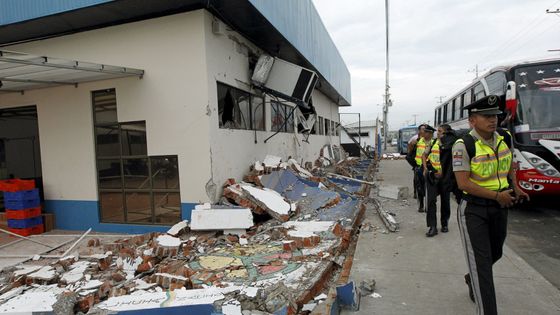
point(421, 205)
point(432, 231)
point(444, 229)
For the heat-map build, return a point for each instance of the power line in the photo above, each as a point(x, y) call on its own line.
point(533, 38)
point(518, 35)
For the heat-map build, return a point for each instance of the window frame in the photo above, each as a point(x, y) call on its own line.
point(252, 108)
point(123, 190)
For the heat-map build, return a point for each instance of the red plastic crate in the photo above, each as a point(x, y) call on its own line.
point(34, 230)
point(14, 185)
point(23, 214)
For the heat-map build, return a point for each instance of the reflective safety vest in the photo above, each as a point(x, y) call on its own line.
point(489, 168)
point(420, 149)
point(434, 156)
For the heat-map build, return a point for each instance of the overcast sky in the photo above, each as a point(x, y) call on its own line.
point(433, 45)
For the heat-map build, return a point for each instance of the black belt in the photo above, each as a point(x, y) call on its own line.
point(479, 201)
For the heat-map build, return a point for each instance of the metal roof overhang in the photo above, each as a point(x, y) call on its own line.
point(20, 72)
point(240, 14)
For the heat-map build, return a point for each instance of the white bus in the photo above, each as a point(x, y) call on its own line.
point(531, 113)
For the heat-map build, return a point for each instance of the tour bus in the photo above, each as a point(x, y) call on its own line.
point(531, 113)
point(405, 134)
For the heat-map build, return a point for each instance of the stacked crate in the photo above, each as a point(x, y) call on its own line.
point(23, 206)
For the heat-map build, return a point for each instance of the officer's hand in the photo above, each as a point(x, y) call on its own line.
point(505, 198)
point(521, 195)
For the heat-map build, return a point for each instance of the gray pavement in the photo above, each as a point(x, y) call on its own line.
point(420, 275)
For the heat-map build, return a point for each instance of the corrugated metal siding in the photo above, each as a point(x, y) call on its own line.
point(301, 25)
point(13, 11)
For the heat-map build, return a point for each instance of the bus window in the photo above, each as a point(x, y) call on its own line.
point(435, 117)
point(445, 113)
point(453, 109)
point(459, 113)
point(439, 116)
point(496, 83)
point(467, 101)
point(478, 92)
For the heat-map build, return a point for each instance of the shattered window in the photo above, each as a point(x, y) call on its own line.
point(238, 109)
point(257, 108)
point(133, 187)
point(321, 129)
point(282, 118)
point(327, 127)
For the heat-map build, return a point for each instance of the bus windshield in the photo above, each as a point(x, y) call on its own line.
point(406, 134)
point(539, 97)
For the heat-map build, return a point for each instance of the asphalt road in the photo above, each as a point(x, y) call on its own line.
point(534, 234)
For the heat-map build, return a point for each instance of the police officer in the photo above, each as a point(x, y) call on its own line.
point(433, 174)
point(482, 163)
point(410, 147)
point(423, 141)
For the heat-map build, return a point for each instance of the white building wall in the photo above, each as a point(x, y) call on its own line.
point(233, 151)
point(171, 98)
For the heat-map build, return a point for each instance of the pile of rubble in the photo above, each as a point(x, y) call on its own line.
point(275, 242)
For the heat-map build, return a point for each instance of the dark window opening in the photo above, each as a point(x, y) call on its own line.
point(282, 117)
point(238, 109)
point(453, 109)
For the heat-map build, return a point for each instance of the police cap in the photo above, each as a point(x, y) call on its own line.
point(429, 128)
point(488, 105)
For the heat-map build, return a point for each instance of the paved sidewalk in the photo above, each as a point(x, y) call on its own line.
point(420, 275)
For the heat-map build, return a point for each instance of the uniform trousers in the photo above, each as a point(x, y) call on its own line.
point(420, 185)
point(435, 189)
point(483, 228)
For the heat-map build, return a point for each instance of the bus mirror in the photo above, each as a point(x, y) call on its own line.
point(511, 102)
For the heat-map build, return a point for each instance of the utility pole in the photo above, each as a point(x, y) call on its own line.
point(553, 12)
point(414, 115)
point(440, 99)
point(387, 95)
point(475, 70)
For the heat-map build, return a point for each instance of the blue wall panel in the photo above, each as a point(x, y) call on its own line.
point(13, 11)
point(81, 215)
point(301, 25)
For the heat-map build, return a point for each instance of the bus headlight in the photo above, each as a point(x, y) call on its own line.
point(540, 164)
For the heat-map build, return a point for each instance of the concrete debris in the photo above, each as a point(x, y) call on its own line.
point(367, 287)
point(177, 228)
point(321, 296)
point(272, 161)
point(393, 156)
point(393, 192)
point(221, 219)
point(277, 241)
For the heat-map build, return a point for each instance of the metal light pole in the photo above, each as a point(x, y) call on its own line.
point(387, 95)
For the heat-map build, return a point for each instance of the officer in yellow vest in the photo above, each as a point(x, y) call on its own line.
point(421, 143)
point(487, 195)
point(435, 186)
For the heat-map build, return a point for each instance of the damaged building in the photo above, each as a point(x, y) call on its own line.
point(130, 113)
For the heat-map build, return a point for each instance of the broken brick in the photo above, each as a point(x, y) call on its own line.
point(289, 246)
point(118, 277)
point(338, 230)
point(232, 238)
point(104, 263)
point(127, 252)
point(85, 303)
point(104, 289)
point(94, 242)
